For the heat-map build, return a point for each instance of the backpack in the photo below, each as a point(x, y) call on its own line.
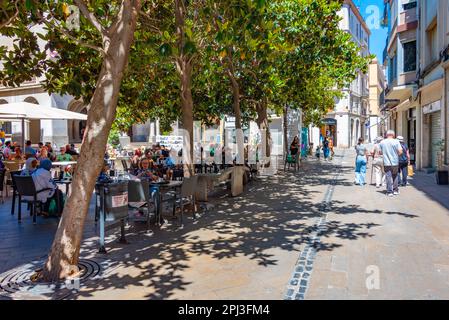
point(56, 205)
point(403, 158)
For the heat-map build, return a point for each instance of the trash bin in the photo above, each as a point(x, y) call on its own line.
point(115, 200)
point(112, 207)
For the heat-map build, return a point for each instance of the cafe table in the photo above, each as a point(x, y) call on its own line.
point(58, 180)
point(164, 187)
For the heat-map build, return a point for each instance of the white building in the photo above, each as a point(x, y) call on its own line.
point(349, 119)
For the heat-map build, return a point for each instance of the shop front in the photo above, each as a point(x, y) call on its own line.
point(432, 114)
point(329, 129)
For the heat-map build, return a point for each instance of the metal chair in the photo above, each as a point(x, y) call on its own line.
point(139, 192)
point(291, 160)
point(2, 183)
point(26, 188)
point(10, 182)
point(188, 189)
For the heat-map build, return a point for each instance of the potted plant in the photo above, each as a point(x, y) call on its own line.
point(442, 174)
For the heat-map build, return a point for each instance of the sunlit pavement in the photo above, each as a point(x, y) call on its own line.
point(310, 234)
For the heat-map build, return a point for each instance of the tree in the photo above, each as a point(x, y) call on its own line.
point(107, 27)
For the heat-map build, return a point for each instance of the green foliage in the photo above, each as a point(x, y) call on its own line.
point(284, 52)
point(113, 138)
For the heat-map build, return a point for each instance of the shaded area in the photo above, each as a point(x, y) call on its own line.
point(276, 213)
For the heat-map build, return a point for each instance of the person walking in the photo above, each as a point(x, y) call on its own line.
point(361, 163)
point(391, 150)
point(378, 163)
point(331, 147)
point(326, 149)
point(404, 162)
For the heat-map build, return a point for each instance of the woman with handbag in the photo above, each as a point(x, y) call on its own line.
point(378, 163)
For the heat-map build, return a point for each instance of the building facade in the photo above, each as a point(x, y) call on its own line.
point(417, 58)
point(400, 101)
point(350, 119)
point(377, 84)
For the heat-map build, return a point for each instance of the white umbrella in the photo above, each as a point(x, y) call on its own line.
point(29, 111)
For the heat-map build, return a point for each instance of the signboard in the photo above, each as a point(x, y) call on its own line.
point(171, 142)
point(119, 200)
point(329, 122)
point(432, 107)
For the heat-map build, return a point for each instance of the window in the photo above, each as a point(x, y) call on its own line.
point(410, 5)
point(432, 45)
point(409, 56)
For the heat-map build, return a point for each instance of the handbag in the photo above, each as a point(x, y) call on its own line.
point(411, 171)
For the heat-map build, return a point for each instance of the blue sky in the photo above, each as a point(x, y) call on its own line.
point(378, 35)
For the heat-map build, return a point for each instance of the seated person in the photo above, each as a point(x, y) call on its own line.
point(63, 157)
point(43, 180)
point(144, 171)
point(70, 149)
point(43, 154)
point(29, 150)
point(169, 165)
point(30, 167)
point(18, 154)
point(104, 174)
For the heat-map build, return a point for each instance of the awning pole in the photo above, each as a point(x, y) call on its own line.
point(23, 135)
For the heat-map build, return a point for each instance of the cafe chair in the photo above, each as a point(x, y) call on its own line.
point(10, 183)
point(26, 188)
point(141, 197)
point(2, 183)
point(188, 189)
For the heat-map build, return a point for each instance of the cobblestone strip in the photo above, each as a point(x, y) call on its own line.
point(299, 281)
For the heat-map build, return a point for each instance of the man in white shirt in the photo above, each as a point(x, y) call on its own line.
point(391, 151)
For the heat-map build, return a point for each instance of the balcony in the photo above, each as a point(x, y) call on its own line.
point(408, 16)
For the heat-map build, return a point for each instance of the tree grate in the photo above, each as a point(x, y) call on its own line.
point(17, 284)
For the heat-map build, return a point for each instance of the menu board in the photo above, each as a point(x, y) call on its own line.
point(171, 142)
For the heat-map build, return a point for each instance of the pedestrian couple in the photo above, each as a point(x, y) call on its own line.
point(391, 159)
point(395, 157)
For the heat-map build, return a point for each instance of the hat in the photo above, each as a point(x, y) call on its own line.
point(46, 164)
point(379, 139)
point(400, 138)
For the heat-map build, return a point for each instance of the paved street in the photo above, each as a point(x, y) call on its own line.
point(311, 234)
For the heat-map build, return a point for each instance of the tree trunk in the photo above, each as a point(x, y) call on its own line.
point(63, 257)
point(262, 123)
point(236, 107)
point(184, 67)
point(185, 74)
point(286, 147)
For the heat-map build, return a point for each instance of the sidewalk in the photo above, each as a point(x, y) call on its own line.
point(404, 240)
point(310, 234)
point(427, 184)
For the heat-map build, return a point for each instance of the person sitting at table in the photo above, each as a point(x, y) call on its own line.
point(63, 156)
point(43, 154)
point(145, 172)
point(7, 150)
point(104, 176)
point(29, 150)
point(17, 154)
point(43, 180)
point(14, 146)
point(70, 149)
point(30, 167)
point(136, 159)
point(148, 154)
